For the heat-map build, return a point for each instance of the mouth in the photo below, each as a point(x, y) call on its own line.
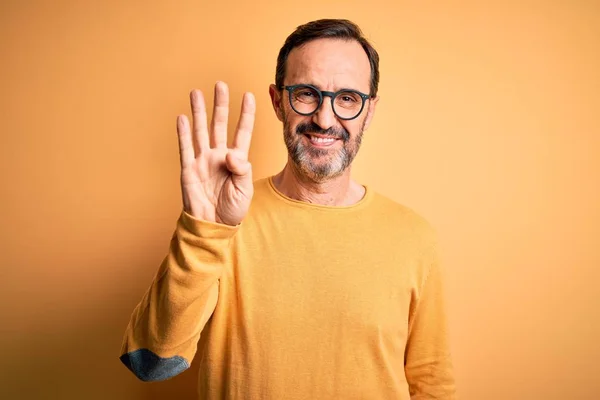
point(321, 140)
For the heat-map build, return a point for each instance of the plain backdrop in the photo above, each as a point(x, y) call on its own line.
point(488, 126)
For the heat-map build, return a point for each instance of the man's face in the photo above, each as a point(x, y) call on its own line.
point(322, 146)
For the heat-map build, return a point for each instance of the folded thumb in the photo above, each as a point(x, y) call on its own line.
point(237, 166)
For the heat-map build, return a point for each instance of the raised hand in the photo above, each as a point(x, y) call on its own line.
point(216, 181)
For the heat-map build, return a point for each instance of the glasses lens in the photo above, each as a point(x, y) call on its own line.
point(304, 99)
point(348, 104)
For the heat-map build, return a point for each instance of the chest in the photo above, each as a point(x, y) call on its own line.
point(284, 284)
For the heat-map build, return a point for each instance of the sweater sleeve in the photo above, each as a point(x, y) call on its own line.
point(428, 364)
point(161, 337)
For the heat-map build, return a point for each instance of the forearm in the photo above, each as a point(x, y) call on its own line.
point(164, 329)
point(428, 364)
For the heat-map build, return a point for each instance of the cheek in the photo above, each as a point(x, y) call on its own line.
point(291, 120)
point(353, 127)
point(289, 125)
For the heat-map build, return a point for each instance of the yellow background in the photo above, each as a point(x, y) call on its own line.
point(488, 125)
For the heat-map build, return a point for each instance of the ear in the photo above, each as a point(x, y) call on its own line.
point(276, 98)
point(371, 111)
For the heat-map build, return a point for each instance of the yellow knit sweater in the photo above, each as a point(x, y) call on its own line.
point(300, 301)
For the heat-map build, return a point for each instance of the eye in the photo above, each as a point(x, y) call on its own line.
point(305, 95)
point(348, 100)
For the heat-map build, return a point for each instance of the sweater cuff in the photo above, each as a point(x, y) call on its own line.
point(206, 229)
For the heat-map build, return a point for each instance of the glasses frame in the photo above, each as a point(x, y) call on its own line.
point(322, 94)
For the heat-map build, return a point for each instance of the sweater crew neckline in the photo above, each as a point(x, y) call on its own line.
point(366, 199)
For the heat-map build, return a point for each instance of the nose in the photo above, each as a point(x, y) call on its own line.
point(325, 117)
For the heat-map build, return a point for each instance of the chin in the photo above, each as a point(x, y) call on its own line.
point(319, 175)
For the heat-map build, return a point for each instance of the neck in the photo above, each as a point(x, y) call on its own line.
point(337, 191)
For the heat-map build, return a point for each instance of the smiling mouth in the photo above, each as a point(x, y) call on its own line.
point(321, 140)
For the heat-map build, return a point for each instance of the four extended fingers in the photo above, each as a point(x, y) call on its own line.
point(193, 141)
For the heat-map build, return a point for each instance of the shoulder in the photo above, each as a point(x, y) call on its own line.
point(261, 185)
point(263, 193)
point(399, 212)
point(401, 220)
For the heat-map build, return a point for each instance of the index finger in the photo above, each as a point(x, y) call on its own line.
point(243, 134)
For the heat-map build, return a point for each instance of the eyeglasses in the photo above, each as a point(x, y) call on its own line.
point(306, 100)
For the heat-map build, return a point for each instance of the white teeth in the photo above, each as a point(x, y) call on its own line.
point(321, 139)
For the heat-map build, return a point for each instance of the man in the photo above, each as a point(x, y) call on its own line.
point(302, 285)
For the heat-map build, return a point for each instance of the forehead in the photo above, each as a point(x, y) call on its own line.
point(330, 64)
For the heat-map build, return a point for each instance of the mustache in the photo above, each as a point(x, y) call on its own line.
point(306, 128)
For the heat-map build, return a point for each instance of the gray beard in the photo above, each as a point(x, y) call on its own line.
point(304, 156)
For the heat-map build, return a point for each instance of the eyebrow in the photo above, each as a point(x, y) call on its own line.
point(319, 87)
